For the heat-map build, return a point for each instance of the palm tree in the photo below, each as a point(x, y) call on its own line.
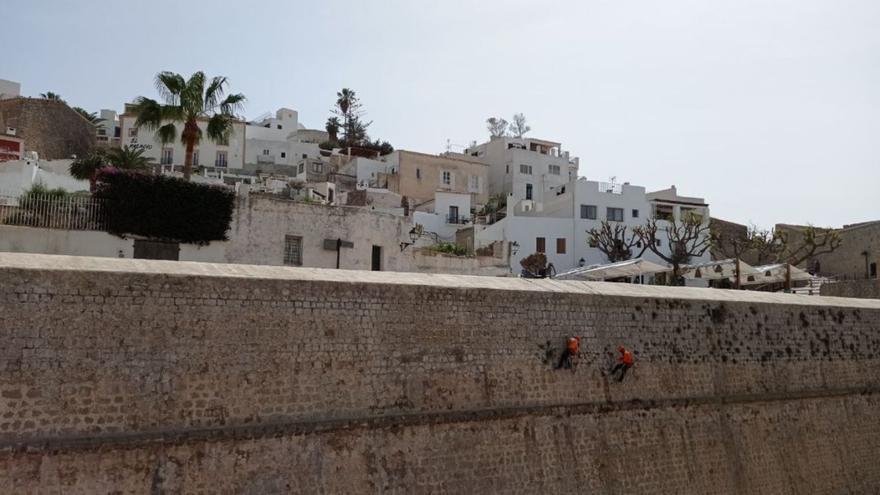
point(126, 158)
point(48, 95)
point(91, 117)
point(87, 167)
point(186, 102)
point(345, 99)
point(348, 107)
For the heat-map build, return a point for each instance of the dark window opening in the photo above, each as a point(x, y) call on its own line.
point(377, 259)
point(293, 250)
point(560, 246)
point(540, 245)
point(156, 250)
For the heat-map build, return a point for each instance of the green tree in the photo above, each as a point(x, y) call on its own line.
point(126, 158)
point(48, 95)
point(91, 117)
point(348, 108)
point(333, 125)
point(185, 103)
point(87, 167)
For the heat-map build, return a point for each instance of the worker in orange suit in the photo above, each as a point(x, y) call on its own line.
point(572, 347)
point(624, 363)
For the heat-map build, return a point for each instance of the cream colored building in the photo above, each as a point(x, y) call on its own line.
point(228, 155)
point(418, 176)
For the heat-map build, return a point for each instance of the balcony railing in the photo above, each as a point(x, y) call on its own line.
point(457, 219)
point(610, 187)
point(53, 212)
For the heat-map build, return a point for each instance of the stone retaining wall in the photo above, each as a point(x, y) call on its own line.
point(137, 375)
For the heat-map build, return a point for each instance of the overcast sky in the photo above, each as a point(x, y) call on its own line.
point(768, 109)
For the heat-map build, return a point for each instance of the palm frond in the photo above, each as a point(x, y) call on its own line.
point(192, 97)
point(170, 86)
point(84, 168)
point(126, 158)
point(149, 113)
point(232, 104)
point(219, 127)
point(167, 133)
point(215, 92)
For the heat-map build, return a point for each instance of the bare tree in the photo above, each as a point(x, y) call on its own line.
point(519, 128)
point(764, 246)
point(688, 237)
point(614, 242)
point(497, 127)
point(809, 242)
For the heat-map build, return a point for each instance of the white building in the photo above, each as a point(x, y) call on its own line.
point(559, 226)
point(107, 130)
point(280, 143)
point(444, 215)
point(9, 89)
point(225, 155)
point(368, 171)
point(524, 167)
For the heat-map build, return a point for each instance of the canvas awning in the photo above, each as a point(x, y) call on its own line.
point(769, 274)
point(718, 270)
point(628, 268)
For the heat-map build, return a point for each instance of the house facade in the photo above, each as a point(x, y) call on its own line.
point(559, 226)
point(279, 144)
point(526, 168)
point(212, 155)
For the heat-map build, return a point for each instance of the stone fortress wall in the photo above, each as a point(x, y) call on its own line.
point(135, 376)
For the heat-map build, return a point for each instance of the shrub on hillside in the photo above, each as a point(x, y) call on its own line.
point(166, 208)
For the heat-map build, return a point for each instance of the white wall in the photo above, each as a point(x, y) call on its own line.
point(367, 169)
point(434, 223)
point(17, 176)
point(9, 89)
point(260, 224)
point(443, 200)
point(561, 218)
point(504, 167)
point(146, 140)
point(15, 239)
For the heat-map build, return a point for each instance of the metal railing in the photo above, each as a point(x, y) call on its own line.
point(53, 212)
point(610, 187)
point(456, 219)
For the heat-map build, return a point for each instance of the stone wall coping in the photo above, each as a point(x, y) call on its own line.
point(27, 261)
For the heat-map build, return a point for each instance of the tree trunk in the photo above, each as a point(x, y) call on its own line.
point(189, 137)
point(188, 159)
